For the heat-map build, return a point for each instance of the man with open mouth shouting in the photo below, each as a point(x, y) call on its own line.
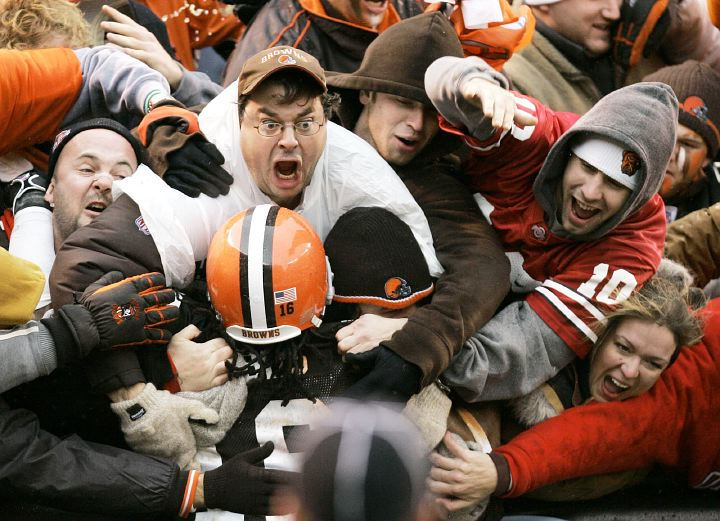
point(271, 127)
point(575, 203)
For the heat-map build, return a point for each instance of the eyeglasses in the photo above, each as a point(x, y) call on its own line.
point(302, 128)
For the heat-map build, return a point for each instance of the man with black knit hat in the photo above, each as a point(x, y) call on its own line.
point(85, 160)
point(691, 180)
point(575, 203)
point(385, 103)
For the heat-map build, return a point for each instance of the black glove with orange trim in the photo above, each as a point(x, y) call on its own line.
point(640, 30)
point(114, 313)
point(191, 164)
point(168, 112)
point(197, 168)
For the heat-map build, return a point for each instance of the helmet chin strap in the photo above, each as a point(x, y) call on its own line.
point(281, 364)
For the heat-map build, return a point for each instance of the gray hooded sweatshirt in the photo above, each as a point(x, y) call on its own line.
point(516, 351)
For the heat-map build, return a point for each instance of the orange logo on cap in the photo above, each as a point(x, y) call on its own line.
point(286, 60)
point(630, 163)
point(397, 288)
point(696, 106)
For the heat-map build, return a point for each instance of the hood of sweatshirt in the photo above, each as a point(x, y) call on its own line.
point(641, 117)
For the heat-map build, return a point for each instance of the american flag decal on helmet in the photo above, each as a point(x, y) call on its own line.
point(286, 295)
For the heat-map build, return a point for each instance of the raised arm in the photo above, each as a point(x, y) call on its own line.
point(116, 85)
point(472, 96)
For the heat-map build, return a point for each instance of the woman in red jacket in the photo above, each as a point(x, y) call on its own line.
point(636, 344)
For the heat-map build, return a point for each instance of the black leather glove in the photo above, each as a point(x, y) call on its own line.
point(640, 30)
point(240, 485)
point(197, 168)
point(26, 190)
point(390, 378)
point(114, 313)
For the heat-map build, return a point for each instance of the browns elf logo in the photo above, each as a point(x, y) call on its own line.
point(696, 106)
point(397, 288)
point(286, 60)
point(121, 313)
point(630, 163)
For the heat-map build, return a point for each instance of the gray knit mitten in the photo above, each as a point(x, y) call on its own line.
point(158, 423)
point(228, 400)
point(429, 410)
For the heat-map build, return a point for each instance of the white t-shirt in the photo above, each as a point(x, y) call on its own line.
point(349, 173)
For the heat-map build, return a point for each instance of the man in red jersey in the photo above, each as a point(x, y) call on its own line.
point(575, 204)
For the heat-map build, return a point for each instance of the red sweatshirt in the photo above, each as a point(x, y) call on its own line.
point(676, 424)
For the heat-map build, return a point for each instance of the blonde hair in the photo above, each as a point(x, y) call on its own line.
point(26, 24)
point(668, 300)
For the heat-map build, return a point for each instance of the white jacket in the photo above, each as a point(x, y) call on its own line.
point(349, 173)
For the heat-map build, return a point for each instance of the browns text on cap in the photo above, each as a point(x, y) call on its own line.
point(270, 61)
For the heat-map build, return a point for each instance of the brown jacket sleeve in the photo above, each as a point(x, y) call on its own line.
point(116, 240)
point(694, 241)
point(476, 278)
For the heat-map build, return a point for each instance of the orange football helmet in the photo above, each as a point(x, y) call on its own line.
point(267, 275)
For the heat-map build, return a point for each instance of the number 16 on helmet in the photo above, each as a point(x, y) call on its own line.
point(267, 275)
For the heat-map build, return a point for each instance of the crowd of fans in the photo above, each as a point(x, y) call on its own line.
point(401, 260)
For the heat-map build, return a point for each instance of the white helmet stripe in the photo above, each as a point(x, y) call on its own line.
point(256, 244)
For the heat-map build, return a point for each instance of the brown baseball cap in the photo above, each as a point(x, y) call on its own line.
point(274, 59)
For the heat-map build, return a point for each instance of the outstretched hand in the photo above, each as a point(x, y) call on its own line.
point(141, 44)
point(463, 480)
point(497, 104)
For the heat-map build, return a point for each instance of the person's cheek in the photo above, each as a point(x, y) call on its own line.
point(693, 165)
point(666, 185)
